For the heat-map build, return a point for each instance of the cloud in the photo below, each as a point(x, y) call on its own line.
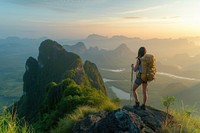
point(59, 5)
point(133, 17)
point(141, 10)
point(171, 17)
point(149, 8)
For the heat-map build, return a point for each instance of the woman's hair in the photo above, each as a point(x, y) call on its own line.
point(141, 52)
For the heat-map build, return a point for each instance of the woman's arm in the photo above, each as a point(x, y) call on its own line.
point(135, 68)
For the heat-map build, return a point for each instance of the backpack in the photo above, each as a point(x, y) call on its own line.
point(148, 72)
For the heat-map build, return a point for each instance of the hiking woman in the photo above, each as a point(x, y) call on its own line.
point(138, 81)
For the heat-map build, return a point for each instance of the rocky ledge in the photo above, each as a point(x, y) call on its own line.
point(123, 120)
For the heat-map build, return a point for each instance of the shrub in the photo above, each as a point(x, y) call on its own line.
point(72, 97)
point(167, 101)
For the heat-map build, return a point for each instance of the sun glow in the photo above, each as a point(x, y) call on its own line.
point(166, 19)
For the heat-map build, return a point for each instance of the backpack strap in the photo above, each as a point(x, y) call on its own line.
point(139, 61)
point(139, 67)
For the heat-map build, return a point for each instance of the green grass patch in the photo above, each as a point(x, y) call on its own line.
point(66, 124)
point(183, 123)
point(9, 123)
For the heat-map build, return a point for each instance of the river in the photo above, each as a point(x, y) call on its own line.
point(124, 95)
point(120, 94)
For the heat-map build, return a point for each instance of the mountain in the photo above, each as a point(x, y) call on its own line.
point(95, 37)
point(159, 47)
point(94, 76)
point(119, 57)
point(122, 57)
point(78, 48)
point(43, 79)
point(106, 42)
point(177, 56)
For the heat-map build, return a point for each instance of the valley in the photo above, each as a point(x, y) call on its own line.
point(174, 76)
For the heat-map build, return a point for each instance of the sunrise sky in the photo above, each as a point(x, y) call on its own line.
point(79, 18)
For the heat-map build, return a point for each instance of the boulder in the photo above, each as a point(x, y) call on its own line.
point(123, 120)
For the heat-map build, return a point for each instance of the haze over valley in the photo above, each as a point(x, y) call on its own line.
point(177, 67)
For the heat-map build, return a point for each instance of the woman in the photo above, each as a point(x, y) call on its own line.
point(138, 81)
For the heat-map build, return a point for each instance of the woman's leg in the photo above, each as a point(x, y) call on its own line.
point(135, 94)
point(145, 95)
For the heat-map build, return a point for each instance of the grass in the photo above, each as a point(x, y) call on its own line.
point(66, 124)
point(183, 121)
point(9, 123)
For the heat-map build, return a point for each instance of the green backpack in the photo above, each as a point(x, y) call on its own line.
point(148, 72)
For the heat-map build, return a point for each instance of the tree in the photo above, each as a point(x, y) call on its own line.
point(167, 101)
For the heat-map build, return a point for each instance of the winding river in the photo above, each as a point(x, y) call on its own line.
point(124, 95)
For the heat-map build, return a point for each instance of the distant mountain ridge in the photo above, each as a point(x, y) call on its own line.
point(152, 45)
point(78, 48)
point(119, 57)
point(96, 37)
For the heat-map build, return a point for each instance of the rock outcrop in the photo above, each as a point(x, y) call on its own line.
point(124, 120)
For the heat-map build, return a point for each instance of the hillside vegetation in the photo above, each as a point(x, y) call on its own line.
point(56, 84)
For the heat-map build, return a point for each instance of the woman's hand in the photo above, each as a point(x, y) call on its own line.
point(132, 66)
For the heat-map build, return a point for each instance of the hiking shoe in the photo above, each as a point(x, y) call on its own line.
point(137, 105)
point(143, 107)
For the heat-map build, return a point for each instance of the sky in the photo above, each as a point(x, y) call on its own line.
point(75, 19)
